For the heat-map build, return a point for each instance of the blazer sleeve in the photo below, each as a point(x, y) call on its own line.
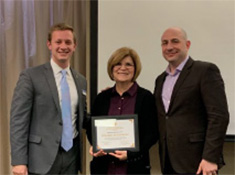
point(214, 98)
point(96, 110)
point(88, 129)
point(20, 119)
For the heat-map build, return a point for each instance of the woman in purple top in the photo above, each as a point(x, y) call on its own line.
point(125, 97)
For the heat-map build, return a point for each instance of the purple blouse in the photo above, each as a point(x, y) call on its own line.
point(120, 105)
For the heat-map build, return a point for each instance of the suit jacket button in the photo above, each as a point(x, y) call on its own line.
point(60, 123)
point(167, 117)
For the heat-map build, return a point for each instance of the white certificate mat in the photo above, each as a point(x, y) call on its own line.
point(115, 133)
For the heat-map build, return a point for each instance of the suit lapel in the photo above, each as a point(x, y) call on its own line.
point(52, 84)
point(77, 84)
point(81, 93)
point(159, 94)
point(181, 79)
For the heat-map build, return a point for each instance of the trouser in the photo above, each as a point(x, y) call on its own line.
point(168, 168)
point(66, 163)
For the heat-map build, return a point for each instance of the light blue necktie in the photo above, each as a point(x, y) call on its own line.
point(67, 134)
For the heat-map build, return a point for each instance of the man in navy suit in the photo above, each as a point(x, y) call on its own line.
point(192, 110)
point(36, 123)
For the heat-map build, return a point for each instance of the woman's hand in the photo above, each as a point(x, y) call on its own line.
point(98, 154)
point(121, 155)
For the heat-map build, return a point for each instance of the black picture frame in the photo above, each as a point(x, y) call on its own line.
point(133, 117)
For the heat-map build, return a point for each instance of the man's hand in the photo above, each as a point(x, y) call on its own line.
point(121, 155)
point(207, 168)
point(98, 154)
point(20, 170)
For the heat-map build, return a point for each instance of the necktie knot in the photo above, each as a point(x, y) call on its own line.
point(63, 72)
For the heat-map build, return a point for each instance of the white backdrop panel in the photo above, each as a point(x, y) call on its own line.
point(139, 24)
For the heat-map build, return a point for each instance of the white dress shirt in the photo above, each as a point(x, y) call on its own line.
point(72, 89)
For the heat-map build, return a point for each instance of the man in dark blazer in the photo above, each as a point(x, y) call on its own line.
point(192, 110)
point(36, 123)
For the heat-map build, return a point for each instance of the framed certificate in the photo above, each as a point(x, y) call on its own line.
point(118, 132)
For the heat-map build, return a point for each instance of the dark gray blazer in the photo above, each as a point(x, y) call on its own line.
point(36, 123)
point(195, 125)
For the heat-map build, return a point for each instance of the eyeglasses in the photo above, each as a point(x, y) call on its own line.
point(126, 65)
